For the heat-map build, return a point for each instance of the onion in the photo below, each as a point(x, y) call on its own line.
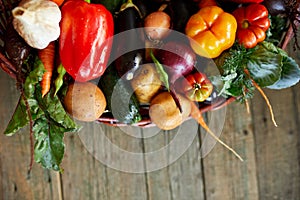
point(178, 59)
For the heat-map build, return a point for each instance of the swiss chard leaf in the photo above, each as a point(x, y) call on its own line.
point(49, 130)
point(20, 117)
point(50, 120)
point(49, 147)
point(54, 110)
point(18, 120)
point(265, 65)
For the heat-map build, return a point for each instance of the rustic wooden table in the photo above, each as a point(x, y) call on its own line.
point(271, 169)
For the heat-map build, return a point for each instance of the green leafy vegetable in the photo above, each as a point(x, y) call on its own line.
point(18, 120)
point(290, 74)
point(268, 65)
point(163, 76)
point(231, 64)
point(50, 121)
point(20, 117)
point(49, 147)
point(60, 78)
point(265, 64)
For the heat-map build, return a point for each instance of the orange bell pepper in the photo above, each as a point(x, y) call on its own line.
point(211, 31)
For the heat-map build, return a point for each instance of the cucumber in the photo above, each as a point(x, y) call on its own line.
point(120, 97)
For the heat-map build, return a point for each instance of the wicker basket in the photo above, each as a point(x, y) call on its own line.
point(107, 118)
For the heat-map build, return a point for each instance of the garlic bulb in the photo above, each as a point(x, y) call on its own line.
point(37, 21)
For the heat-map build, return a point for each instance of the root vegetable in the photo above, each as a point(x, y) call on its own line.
point(84, 101)
point(157, 25)
point(146, 83)
point(47, 56)
point(165, 113)
point(196, 114)
point(264, 96)
point(178, 58)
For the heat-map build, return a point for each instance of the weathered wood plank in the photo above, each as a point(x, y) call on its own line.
point(120, 183)
point(86, 177)
point(82, 177)
point(226, 177)
point(158, 184)
point(181, 174)
point(15, 156)
point(277, 148)
point(186, 174)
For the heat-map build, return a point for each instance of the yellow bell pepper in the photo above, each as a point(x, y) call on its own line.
point(211, 31)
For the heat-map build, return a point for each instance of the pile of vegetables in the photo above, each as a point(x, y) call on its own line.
point(59, 53)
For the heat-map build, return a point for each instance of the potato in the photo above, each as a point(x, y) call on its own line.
point(164, 112)
point(84, 101)
point(146, 83)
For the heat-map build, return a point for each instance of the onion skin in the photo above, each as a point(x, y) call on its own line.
point(178, 59)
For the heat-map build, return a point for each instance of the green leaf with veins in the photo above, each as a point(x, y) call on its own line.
point(49, 147)
point(290, 74)
point(265, 65)
point(50, 120)
point(18, 120)
point(49, 130)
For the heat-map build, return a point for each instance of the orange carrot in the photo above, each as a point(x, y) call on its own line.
point(197, 115)
point(264, 96)
point(266, 100)
point(47, 56)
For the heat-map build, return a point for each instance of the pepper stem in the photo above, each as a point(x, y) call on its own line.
point(88, 1)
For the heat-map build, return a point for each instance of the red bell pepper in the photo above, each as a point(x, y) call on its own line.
point(253, 22)
point(196, 86)
point(85, 40)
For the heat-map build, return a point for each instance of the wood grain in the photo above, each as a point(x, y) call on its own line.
point(85, 177)
point(15, 183)
point(277, 149)
point(226, 177)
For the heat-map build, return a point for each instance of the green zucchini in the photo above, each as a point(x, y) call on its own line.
point(120, 97)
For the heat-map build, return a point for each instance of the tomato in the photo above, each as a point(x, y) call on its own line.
point(85, 44)
point(253, 22)
point(195, 86)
